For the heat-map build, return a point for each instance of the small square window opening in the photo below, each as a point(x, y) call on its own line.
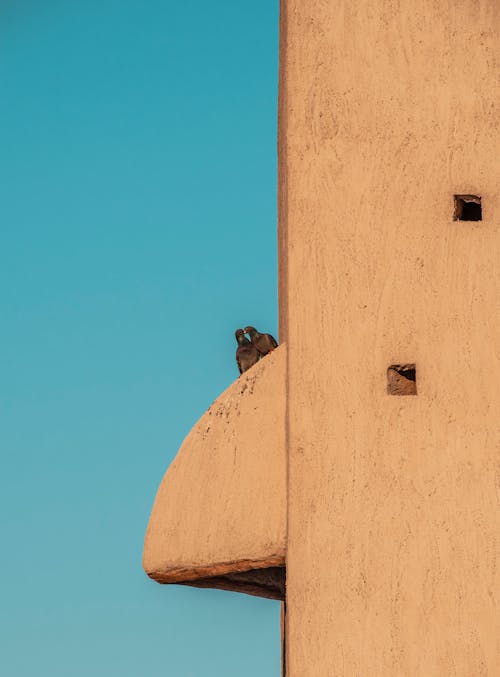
point(467, 208)
point(402, 379)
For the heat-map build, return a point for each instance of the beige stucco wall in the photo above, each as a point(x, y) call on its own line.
point(221, 507)
point(387, 110)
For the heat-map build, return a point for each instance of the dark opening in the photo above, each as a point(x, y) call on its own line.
point(467, 208)
point(402, 379)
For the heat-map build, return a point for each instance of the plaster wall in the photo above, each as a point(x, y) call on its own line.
point(220, 510)
point(387, 110)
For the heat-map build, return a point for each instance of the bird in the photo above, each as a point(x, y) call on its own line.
point(263, 342)
point(246, 354)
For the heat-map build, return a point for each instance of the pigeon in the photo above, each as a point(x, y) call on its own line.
point(263, 342)
point(246, 354)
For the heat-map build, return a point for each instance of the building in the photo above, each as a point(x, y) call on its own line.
point(364, 453)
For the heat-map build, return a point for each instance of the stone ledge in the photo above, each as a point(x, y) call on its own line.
point(219, 518)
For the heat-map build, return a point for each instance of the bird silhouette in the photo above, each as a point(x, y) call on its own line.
point(263, 342)
point(246, 353)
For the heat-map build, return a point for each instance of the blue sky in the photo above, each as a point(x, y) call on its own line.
point(137, 231)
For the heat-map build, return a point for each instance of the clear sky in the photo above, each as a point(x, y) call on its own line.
point(137, 232)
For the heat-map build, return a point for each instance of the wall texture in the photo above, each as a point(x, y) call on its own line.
point(221, 507)
point(387, 110)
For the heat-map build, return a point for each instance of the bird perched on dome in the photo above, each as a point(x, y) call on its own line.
point(246, 353)
point(263, 342)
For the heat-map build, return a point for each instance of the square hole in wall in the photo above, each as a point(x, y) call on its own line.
point(467, 208)
point(402, 379)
